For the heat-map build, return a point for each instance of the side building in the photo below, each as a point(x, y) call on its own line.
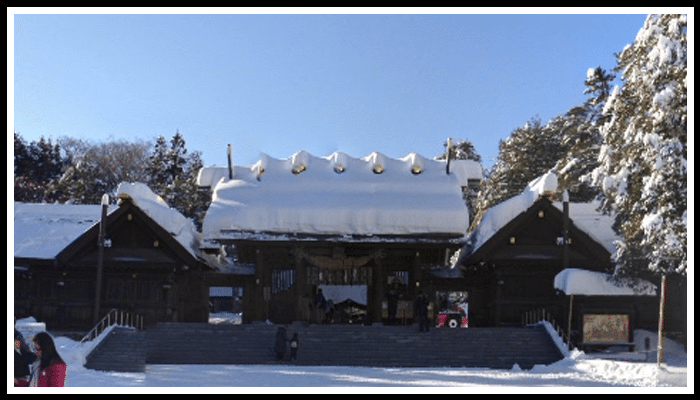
point(531, 254)
point(150, 267)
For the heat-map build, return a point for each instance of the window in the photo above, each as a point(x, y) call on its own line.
point(283, 279)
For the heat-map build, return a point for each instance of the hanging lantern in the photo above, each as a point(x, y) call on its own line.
point(299, 168)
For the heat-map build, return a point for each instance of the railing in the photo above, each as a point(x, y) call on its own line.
point(114, 316)
point(535, 316)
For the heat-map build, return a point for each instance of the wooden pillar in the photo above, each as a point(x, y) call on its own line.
point(260, 282)
point(377, 291)
point(249, 301)
point(302, 290)
point(417, 274)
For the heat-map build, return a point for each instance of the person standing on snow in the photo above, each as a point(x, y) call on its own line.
point(320, 304)
point(421, 307)
point(281, 343)
point(23, 356)
point(49, 368)
point(294, 346)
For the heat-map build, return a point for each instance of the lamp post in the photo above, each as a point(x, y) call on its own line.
point(565, 206)
point(100, 258)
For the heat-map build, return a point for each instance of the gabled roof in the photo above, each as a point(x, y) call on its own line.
point(496, 245)
point(339, 196)
point(41, 231)
point(127, 206)
point(590, 230)
point(61, 231)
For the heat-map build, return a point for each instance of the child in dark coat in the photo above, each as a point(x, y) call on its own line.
point(294, 346)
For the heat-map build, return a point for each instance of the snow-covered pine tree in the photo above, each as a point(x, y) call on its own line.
point(581, 138)
point(643, 170)
point(527, 153)
point(462, 149)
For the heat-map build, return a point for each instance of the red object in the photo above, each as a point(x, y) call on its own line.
point(443, 320)
point(53, 375)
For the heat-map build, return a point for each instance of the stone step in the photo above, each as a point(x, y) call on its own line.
point(190, 343)
point(352, 345)
point(122, 350)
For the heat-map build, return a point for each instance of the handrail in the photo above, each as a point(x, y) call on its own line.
point(123, 318)
point(535, 316)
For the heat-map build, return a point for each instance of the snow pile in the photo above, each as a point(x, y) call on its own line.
point(340, 195)
point(590, 283)
point(501, 214)
point(180, 227)
point(42, 231)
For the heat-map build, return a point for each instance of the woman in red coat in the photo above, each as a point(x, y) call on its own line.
point(49, 369)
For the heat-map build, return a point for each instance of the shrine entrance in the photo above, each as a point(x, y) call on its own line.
point(344, 282)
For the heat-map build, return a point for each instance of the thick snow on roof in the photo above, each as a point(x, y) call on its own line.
point(594, 223)
point(44, 230)
point(501, 214)
point(590, 283)
point(340, 195)
point(583, 215)
point(180, 227)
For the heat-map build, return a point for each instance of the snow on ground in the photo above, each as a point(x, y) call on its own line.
point(575, 370)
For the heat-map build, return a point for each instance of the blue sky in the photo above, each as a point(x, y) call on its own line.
point(277, 84)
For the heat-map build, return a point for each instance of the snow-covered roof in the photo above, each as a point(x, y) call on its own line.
point(591, 283)
point(594, 223)
point(340, 195)
point(42, 231)
point(501, 214)
point(179, 226)
point(583, 215)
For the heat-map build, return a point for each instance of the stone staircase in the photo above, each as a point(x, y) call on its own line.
point(123, 350)
point(350, 345)
point(353, 345)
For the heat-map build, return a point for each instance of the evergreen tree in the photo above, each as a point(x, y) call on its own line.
point(157, 171)
point(581, 138)
point(529, 151)
point(462, 150)
point(173, 176)
point(643, 171)
point(36, 165)
point(597, 83)
point(194, 201)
